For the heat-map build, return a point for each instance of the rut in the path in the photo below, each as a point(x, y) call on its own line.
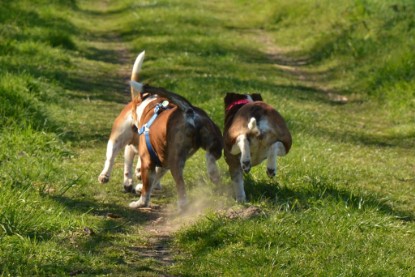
point(158, 230)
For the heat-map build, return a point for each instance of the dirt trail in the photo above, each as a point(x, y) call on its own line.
point(158, 228)
point(296, 68)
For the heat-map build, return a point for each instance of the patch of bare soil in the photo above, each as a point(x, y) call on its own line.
point(159, 230)
point(242, 212)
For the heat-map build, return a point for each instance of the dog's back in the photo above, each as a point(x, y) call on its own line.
point(261, 123)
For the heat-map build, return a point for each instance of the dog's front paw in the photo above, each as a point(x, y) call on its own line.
point(138, 204)
point(129, 188)
point(271, 172)
point(246, 166)
point(128, 185)
point(103, 178)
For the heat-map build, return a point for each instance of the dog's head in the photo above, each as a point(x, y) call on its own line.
point(238, 100)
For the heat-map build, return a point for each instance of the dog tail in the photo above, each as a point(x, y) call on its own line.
point(136, 69)
point(253, 127)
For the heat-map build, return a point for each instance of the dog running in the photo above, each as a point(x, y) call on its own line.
point(253, 132)
point(164, 129)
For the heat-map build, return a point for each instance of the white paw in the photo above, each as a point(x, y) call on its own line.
point(128, 185)
point(103, 178)
point(138, 204)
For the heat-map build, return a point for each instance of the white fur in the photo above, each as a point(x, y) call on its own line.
point(140, 109)
point(252, 123)
point(129, 155)
point(238, 186)
point(253, 152)
point(243, 144)
point(113, 148)
point(109, 162)
point(137, 65)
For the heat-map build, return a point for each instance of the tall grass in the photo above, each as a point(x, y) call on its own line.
point(34, 40)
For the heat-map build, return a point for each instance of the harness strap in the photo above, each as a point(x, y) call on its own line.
point(150, 148)
point(145, 129)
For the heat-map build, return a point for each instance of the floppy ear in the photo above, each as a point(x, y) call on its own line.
point(136, 89)
point(231, 97)
point(256, 97)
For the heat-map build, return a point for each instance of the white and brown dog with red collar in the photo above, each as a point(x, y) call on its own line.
point(253, 132)
point(170, 130)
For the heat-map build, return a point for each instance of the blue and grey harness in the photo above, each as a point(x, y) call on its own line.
point(145, 129)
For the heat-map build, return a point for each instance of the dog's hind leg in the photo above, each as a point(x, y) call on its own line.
point(150, 178)
point(277, 149)
point(113, 148)
point(129, 155)
point(157, 186)
point(177, 173)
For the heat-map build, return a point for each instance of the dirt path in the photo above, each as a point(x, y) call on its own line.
point(158, 228)
point(297, 69)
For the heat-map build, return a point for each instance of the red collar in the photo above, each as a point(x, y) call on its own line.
point(237, 102)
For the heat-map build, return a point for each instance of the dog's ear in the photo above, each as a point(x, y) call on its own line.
point(256, 97)
point(231, 97)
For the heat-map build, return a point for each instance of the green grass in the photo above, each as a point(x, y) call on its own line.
point(343, 200)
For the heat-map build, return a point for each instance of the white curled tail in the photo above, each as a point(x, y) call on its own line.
point(253, 127)
point(136, 69)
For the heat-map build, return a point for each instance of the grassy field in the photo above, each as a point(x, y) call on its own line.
point(340, 72)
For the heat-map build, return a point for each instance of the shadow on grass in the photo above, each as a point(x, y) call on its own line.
point(298, 200)
point(105, 210)
point(356, 135)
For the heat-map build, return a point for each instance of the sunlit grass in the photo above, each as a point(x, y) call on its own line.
point(343, 200)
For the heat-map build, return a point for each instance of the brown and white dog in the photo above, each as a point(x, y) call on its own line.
point(175, 134)
point(254, 131)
